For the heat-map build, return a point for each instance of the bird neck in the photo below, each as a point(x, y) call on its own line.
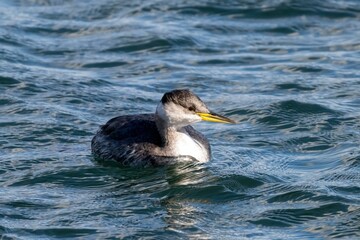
point(167, 132)
point(176, 141)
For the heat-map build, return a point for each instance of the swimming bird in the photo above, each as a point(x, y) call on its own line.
point(162, 138)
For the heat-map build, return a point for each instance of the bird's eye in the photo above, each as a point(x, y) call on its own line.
point(191, 109)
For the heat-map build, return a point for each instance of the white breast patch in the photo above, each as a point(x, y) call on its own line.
point(187, 146)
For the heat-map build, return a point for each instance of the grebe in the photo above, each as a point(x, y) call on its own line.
point(158, 139)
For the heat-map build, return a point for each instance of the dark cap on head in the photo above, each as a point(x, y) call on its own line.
point(186, 99)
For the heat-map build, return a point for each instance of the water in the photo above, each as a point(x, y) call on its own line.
point(287, 71)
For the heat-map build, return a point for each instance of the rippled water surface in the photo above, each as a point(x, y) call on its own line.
point(287, 71)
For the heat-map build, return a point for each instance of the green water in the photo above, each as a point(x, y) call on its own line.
point(287, 71)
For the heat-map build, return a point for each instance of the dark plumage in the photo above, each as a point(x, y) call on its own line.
point(130, 140)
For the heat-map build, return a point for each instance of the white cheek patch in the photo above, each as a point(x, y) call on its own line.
point(161, 112)
point(175, 115)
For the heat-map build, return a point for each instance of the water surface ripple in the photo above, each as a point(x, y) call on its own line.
point(287, 71)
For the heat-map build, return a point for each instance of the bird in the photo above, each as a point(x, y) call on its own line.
point(162, 138)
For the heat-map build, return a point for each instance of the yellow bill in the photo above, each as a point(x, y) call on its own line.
point(213, 117)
